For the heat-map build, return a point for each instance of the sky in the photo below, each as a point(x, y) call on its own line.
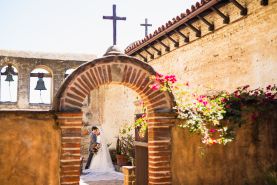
point(76, 26)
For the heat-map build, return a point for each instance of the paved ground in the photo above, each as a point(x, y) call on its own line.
point(105, 183)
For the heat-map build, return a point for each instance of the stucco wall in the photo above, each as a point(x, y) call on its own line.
point(240, 53)
point(29, 148)
point(246, 161)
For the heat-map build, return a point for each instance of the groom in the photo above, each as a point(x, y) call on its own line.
point(92, 145)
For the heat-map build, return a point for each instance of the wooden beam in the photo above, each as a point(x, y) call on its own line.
point(12, 74)
point(226, 19)
point(166, 47)
point(151, 55)
point(44, 75)
point(243, 10)
point(158, 51)
point(186, 38)
point(144, 58)
point(176, 43)
point(197, 32)
point(264, 2)
point(210, 25)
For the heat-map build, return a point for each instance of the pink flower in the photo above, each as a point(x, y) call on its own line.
point(170, 78)
point(199, 100)
point(205, 103)
point(268, 94)
point(155, 86)
point(212, 130)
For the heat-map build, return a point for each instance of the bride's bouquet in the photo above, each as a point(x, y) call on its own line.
point(95, 147)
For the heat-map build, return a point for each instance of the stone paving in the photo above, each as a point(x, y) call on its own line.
point(112, 182)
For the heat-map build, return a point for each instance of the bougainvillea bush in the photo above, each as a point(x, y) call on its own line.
point(208, 115)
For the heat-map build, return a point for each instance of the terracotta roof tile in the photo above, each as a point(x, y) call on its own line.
point(193, 8)
point(187, 12)
point(167, 25)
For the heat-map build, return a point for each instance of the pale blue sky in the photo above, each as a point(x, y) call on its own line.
point(76, 26)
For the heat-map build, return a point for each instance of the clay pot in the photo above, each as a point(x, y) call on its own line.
point(121, 160)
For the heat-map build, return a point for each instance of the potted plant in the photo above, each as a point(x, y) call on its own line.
point(121, 157)
point(125, 147)
point(141, 126)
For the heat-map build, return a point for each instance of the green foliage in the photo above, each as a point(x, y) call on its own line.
point(204, 114)
point(125, 142)
point(142, 125)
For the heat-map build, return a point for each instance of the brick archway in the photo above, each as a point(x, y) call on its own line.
point(114, 68)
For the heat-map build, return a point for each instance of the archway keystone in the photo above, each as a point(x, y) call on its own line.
point(114, 68)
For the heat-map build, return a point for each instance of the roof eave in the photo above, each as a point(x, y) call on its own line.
point(174, 26)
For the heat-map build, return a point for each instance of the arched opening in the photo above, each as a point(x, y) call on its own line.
point(131, 73)
point(9, 84)
point(111, 107)
point(41, 86)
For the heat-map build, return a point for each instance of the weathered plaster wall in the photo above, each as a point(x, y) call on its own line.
point(111, 106)
point(29, 148)
point(24, 66)
point(242, 52)
point(246, 161)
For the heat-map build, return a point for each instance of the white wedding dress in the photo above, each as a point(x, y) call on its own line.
point(101, 167)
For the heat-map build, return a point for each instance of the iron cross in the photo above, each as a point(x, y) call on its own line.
point(114, 18)
point(146, 26)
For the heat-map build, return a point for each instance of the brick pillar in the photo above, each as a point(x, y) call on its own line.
point(159, 147)
point(129, 175)
point(70, 124)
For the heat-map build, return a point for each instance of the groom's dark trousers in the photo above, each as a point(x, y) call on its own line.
point(89, 160)
point(93, 139)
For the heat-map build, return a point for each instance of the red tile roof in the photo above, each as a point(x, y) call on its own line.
point(196, 9)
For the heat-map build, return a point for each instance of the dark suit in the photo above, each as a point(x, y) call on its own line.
point(93, 139)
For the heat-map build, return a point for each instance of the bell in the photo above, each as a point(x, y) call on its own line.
point(9, 78)
point(40, 83)
point(9, 72)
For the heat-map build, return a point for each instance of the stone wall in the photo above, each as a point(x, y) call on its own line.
point(29, 148)
point(248, 160)
point(240, 53)
point(26, 63)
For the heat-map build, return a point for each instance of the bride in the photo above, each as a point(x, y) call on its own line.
point(101, 167)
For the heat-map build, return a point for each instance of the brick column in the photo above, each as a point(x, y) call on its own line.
point(159, 147)
point(70, 124)
point(129, 175)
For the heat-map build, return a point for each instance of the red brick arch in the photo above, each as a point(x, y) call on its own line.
point(127, 71)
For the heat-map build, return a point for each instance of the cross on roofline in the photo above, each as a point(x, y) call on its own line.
point(114, 18)
point(146, 26)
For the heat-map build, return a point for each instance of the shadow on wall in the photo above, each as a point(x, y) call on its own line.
point(250, 159)
point(29, 148)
